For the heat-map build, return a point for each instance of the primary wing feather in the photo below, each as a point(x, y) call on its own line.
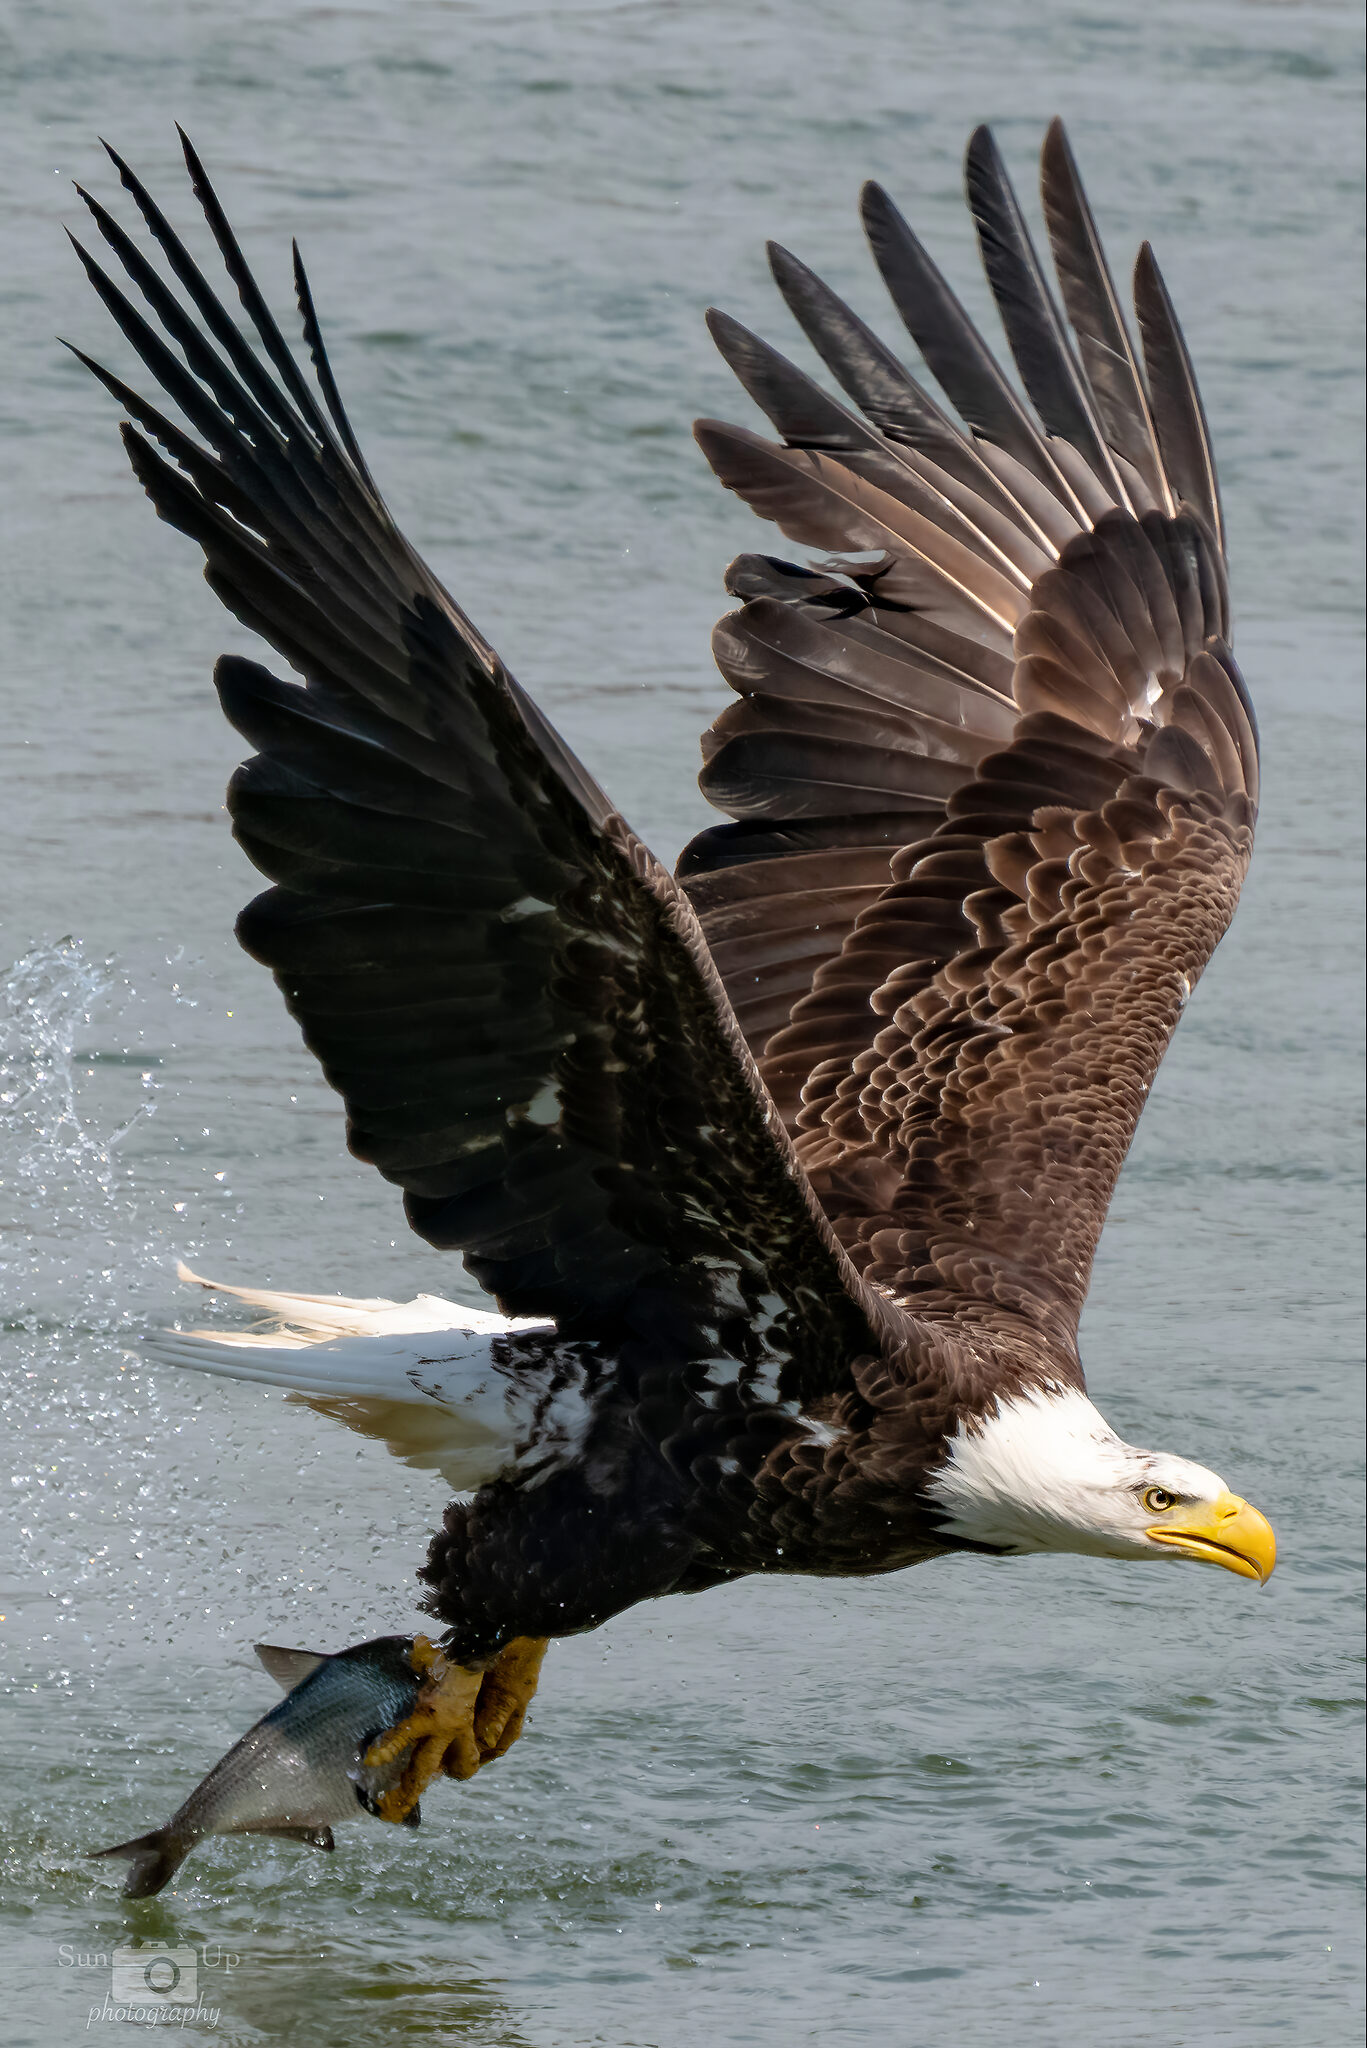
point(1098, 319)
point(1034, 330)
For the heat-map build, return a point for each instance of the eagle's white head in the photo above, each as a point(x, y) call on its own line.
point(1045, 1471)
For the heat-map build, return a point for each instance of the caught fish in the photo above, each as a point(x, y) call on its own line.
point(301, 1769)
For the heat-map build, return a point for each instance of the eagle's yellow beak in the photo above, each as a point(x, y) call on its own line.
point(1227, 1532)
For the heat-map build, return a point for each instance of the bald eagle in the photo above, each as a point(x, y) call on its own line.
point(786, 1171)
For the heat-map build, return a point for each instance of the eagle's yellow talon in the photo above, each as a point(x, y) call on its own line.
point(505, 1695)
point(462, 1718)
point(441, 1716)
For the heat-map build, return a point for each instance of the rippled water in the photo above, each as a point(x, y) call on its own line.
point(1045, 1802)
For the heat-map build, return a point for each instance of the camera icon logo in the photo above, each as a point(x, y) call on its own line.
point(158, 1972)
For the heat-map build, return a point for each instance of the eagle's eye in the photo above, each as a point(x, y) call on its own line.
point(1157, 1499)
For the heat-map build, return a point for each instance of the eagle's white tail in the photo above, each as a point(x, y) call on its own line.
point(305, 1318)
point(421, 1375)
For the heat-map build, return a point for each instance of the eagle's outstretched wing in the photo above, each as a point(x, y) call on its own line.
point(995, 788)
point(511, 995)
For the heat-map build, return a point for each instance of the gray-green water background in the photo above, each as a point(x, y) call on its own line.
point(1051, 1802)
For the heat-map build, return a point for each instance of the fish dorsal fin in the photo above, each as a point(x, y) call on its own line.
point(289, 1667)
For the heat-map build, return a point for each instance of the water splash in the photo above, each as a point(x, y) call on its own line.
point(69, 1215)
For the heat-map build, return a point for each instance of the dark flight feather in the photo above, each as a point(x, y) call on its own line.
point(249, 292)
point(1038, 340)
point(313, 337)
point(187, 273)
point(1179, 415)
point(815, 499)
point(257, 458)
point(1097, 318)
point(881, 386)
point(807, 417)
point(957, 354)
point(771, 647)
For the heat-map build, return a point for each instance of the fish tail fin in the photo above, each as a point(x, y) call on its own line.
point(155, 1859)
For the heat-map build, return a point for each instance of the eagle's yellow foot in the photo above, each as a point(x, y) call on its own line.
point(463, 1718)
point(504, 1697)
point(441, 1726)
